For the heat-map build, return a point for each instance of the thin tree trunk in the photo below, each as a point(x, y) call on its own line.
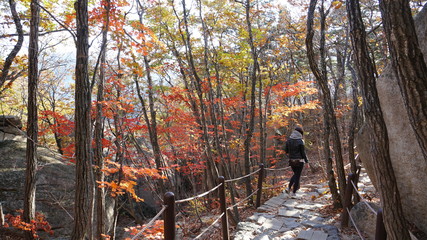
point(212, 168)
point(408, 63)
point(99, 130)
point(394, 219)
point(151, 121)
point(253, 79)
point(83, 195)
point(322, 80)
point(353, 121)
point(32, 120)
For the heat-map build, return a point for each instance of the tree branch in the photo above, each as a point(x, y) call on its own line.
point(18, 45)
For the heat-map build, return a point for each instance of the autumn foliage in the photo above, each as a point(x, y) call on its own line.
point(39, 223)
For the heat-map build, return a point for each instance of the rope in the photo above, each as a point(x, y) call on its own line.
point(363, 200)
point(151, 222)
point(236, 179)
point(354, 224)
point(242, 200)
point(210, 226)
point(198, 196)
point(276, 169)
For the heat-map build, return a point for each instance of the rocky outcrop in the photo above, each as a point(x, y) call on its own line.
point(408, 163)
point(55, 185)
point(10, 128)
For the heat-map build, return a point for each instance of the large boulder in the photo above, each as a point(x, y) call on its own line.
point(364, 218)
point(55, 185)
point(408, 163)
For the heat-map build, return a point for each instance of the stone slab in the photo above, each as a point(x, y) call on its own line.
point(319, 235)
point(274, 202)
point(312, 235)
point(289, 213)
point(305, 234)
point(291, 203)
point(272, 224)
point(309, 206)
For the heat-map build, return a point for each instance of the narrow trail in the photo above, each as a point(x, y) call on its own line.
point(300, 217)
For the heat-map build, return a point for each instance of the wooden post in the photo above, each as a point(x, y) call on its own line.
point(169, 216)
point(347, 200)
point(356, 197)
point(223, 204)
point(260, 180)
point(1, 216)
point(380, 232)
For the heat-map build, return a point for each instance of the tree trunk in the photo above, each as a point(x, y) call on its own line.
point(390, 198)
point(83, 196)
point(99, 130)
point(408, 64)
point(353, 121)
point(151, 120)
point(32, 120)
point(322, 80)
point(211, 166)
point(253, 79)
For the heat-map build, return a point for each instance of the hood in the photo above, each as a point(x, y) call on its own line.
point(296, 135)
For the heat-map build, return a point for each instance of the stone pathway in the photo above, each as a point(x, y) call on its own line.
point(286, 218)
point(283, 217)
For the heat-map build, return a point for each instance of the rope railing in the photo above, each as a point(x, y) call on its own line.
point(380, 232)
point(363, 199)
point(274, 170)
point(209, 227)
point(355, 226)
point(168, 209)
point(245, 199)
point(242, 177)
point(198, 196)
point(277, 169)
point(151, 222)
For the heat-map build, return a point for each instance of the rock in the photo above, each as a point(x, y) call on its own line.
point(332, 231)
point(55, 185)
point(408, 162)
point(12, 121)
point(10, 128)
point(364, 218)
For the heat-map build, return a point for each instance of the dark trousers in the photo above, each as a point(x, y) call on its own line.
point(296, 177)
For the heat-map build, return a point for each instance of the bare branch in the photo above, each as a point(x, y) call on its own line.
point(18, 45)
point(67, 28)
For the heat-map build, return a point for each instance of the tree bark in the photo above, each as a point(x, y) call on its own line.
point(322, 80)
point(408, 64)
point(32, 120)
point(390, 198)
point(353, 121)
point(253, 80)
point(83, 195)
point(99, 129)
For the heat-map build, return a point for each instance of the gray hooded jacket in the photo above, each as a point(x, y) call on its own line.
point(294, 146)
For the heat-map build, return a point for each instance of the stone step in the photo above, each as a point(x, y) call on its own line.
point(312, 235)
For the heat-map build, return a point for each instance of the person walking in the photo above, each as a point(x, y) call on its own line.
point(294, 148)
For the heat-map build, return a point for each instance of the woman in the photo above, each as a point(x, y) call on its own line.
point(294, 148)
